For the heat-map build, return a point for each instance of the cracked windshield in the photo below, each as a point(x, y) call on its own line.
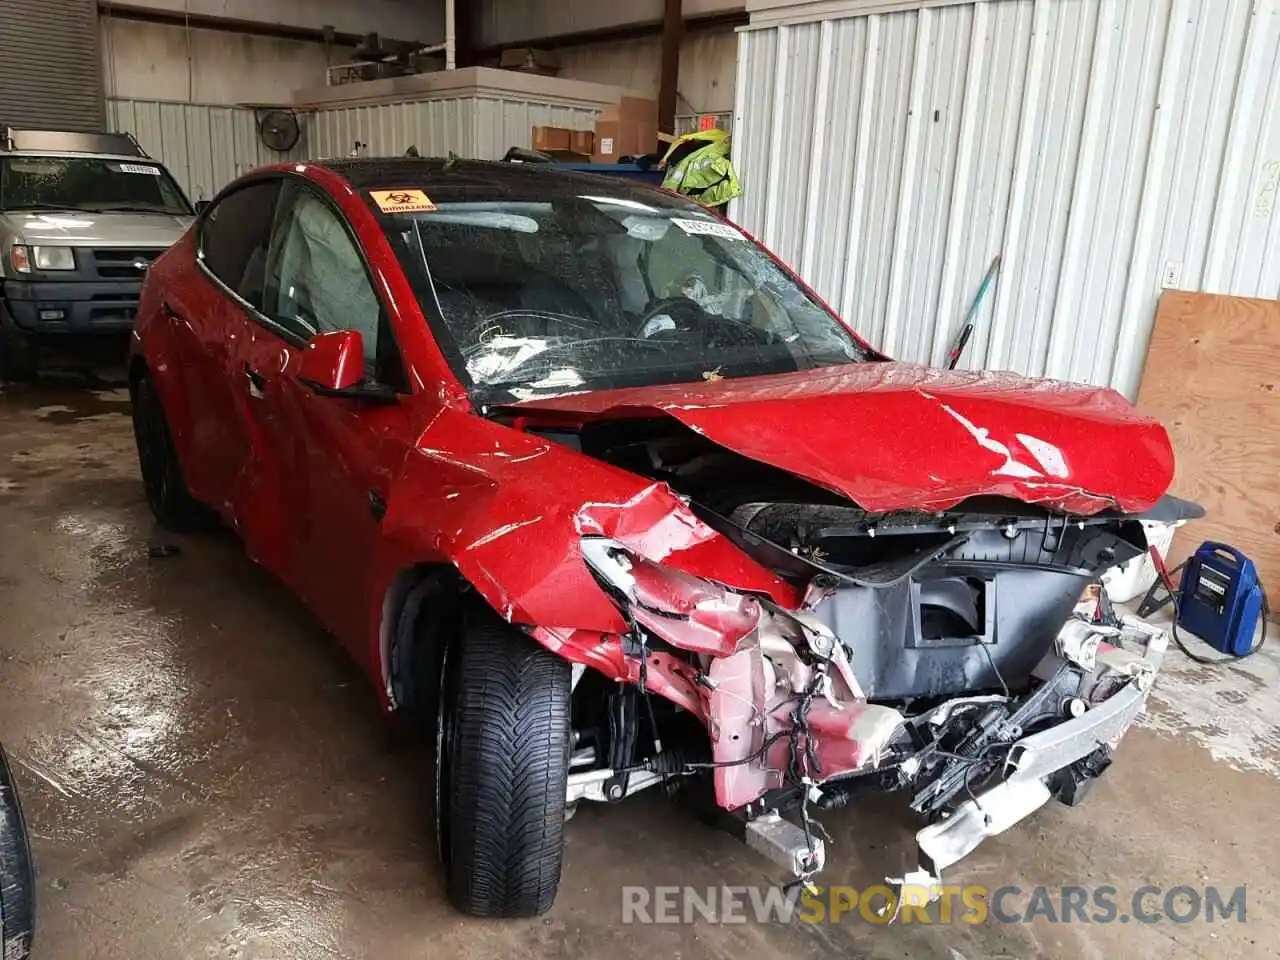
point(583, 293)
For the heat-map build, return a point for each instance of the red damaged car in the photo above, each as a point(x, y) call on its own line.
point(604, 497)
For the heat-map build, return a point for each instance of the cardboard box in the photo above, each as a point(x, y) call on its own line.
point(632, 110)
point(583, 142)
point(551, 138)
point(626, 129)
point(607, 145)
point(638, 110)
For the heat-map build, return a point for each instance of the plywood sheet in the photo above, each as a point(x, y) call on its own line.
point(1213, 378)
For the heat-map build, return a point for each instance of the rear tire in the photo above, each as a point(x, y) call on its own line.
point(171, 503)
point(502, 767)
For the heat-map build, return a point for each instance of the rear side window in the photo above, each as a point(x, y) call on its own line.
point(234, 237)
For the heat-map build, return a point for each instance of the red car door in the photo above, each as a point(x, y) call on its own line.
point(206, 313)
point(325, 464)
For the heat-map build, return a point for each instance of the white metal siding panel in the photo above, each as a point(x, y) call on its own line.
point(435, 127)
point(805, 11)
point(205, 147)
point(1088, 142)
point(753, 122)
point(501, 124)
point(483, 128)
point(835, 129)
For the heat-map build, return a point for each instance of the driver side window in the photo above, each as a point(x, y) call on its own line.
point(316, 279)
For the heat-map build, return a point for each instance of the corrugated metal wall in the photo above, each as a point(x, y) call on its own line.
point(475, 127)
point(1096, 144)
point(503, 124)
point(50, 65)
point(204, 147)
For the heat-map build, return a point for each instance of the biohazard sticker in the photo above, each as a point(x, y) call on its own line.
point(402, 201)
point(708, 228)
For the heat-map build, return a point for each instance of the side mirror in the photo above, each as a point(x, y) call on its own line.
point(333, 366)
point(333, 361)
point(202, 206)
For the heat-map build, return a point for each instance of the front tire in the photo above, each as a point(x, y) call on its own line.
point(171, 503)
point(502, 767)
point(17, 878)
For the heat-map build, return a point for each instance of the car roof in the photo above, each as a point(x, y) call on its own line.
point(76, 155)
point(461, 181)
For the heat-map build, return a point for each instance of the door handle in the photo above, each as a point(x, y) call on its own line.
point(257, 382)
point(377, 505)
point(169, 312)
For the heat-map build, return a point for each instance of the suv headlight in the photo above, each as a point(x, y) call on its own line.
point(53, 258)
point(21, 258)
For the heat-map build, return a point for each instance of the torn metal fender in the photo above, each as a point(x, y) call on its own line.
point(508, 510)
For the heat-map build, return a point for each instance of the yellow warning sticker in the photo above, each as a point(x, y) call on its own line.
point(402, 201)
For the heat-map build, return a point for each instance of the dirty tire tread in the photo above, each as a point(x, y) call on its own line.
point(17, 876)
point(509, 771)
point(171, 502)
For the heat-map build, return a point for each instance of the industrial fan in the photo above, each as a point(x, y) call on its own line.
point(279, 130)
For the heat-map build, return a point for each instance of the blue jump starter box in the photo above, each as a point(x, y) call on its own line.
point(1220, 599)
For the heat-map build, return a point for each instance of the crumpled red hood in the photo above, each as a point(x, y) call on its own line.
point(892, 436)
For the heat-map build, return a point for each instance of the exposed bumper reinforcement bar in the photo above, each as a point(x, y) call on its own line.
point(1034, 758)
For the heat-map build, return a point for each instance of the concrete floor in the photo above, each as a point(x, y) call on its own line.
point(206, 776)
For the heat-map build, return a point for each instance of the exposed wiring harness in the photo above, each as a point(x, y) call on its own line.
point(803, 775)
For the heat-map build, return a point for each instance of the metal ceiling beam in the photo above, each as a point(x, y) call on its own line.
point(142, 12)
point(631, 31)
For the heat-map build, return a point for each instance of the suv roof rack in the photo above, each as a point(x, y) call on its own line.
point(65, 141)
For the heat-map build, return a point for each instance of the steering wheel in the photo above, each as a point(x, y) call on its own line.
point(716, 331)
point(678, 309)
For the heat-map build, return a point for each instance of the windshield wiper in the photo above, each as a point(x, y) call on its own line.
point(136, 208)
point(57, 207)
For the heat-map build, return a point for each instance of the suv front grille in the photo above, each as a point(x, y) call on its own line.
point(122, 263)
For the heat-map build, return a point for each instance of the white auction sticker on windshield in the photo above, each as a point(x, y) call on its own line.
point(139, 168)
point(709, 228)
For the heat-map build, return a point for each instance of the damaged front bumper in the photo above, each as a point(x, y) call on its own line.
point(787, 716)
point(1034, 761)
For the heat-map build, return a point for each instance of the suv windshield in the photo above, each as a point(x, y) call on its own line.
point(93, 184)
point(593, 292)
